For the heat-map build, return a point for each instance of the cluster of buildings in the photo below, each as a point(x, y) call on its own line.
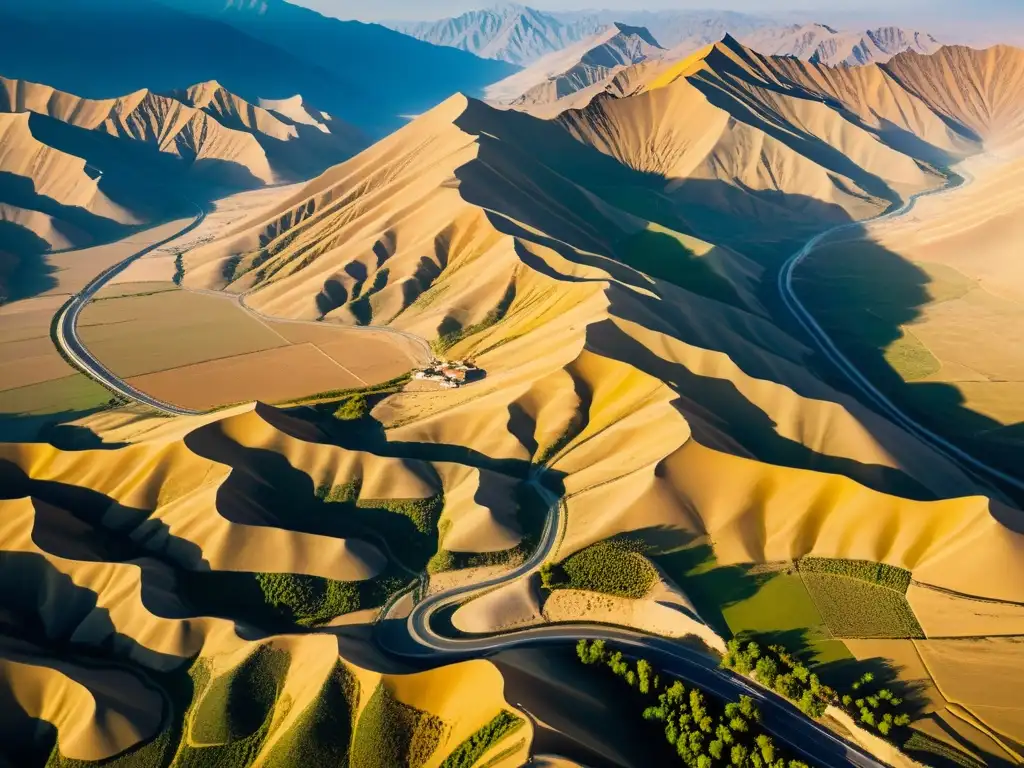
point(450, 374)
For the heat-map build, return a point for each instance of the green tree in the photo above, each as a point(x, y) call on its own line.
point(643, 673)
point(738, 755)
point(767, 671)
point(353, 408)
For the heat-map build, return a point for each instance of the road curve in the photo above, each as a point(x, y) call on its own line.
point(803, 735)
point(828, 348)
point(68, 341)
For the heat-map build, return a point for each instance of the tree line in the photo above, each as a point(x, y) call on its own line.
point(874, 707)
point(705, 732)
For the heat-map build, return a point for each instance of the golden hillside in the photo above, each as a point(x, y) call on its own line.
point(74, 171)
point(611, 272)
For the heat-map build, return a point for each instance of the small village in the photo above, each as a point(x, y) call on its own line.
point(450, 374)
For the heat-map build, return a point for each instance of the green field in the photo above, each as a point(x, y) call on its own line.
point(911, 359)
point(70, 394)
point(856, 608)
point(781, 603)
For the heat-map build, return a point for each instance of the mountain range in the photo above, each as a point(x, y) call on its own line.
point(580, 66)
point(255, 48)
point(522, 35)
point(74, 171)
point(629, 327)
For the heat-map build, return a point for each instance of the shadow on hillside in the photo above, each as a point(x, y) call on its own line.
point(768, 225)
point(714, 407)
point(864, 305)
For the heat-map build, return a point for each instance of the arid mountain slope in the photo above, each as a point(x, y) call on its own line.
point(822, 44)
point(267, 49)
point(76, 170)
point(577, 67)
point(512, 33)
point(134, 611)
point(632, 358)
point(522, 35)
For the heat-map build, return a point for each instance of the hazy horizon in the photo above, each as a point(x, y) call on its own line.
point(986, 22)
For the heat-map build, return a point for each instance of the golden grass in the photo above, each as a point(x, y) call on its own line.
point(137, 335)
point(273, 375)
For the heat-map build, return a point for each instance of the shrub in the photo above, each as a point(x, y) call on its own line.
point(613, 567)
point(352, 408)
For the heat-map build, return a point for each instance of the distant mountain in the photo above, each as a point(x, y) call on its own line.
point(522, 35)
point(672, 28)
point(364, 74)
point(825, 45)
point(578, 66)
point(512, 33)
point(74, 171)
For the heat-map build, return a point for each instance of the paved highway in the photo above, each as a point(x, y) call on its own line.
point(828, 348)
point(70, 343)
point(815, 742)
point(804, 736)
point(75, 351)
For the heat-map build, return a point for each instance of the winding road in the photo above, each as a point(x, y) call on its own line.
point(70, 344)
point(803, 736)
point(828, 348)
point(74, 350)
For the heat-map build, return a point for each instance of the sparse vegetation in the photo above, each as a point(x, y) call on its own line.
point(920, 742)
point(910, 358)
point(360, 305)
point(352, 408)
point(472, 749)
point(705, 732)
point(449, 338)
point(613, 567)
point(874, 707)
point(233, 712)
point(855, 608)
point(866, 570)
point(283, 600)
point(504, 754)
point(330, 397)
point(390, 733)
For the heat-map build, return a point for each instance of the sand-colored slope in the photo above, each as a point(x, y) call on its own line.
point(824, 45)
point(49, 173)
point(76, 170)
point(978, 91)
point(577, 67)
point(753, 144)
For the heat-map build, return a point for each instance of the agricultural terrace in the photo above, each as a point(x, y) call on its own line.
point(158, 337)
